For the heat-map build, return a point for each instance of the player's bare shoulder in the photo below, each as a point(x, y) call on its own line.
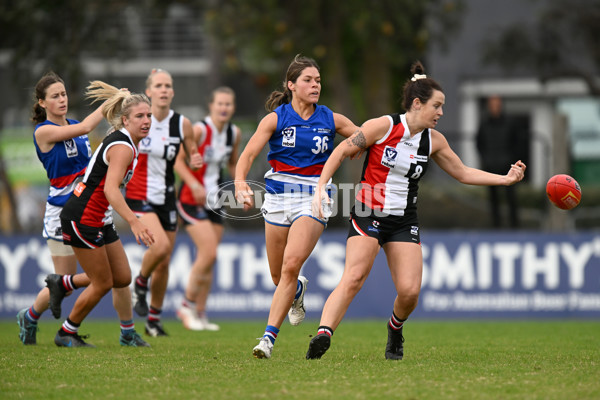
point(438, 141)
point(376, 128)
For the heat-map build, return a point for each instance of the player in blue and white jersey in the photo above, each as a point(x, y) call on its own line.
point(300, 135)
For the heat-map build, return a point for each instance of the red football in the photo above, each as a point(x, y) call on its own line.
point(563, 191)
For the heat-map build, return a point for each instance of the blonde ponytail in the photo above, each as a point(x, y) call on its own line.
point(117, 102)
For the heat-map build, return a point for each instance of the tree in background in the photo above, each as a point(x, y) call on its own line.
point(365, 48)
point(564, 27)
point(39, 35)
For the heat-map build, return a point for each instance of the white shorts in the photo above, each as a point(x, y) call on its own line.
point(59, 248)
point(284, 208)
point(52, 228)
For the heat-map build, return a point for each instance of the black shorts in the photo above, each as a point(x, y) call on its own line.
point(87, 237)
point(390, 228)
point(191, 213)
point(166, 213)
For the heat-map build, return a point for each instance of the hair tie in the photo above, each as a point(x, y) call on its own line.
point(416, 77)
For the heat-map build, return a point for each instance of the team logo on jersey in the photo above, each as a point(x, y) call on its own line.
point(71, 148)
point(389, 157)
point(289, 137)
point(99, 237)
point(209, 153)
point(127, 178)
point(375, 227)
point(414, 230)
point(145, 144)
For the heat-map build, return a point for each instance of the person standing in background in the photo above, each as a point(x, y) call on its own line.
point(218, 143)
point(151, 194)
point(497, 141)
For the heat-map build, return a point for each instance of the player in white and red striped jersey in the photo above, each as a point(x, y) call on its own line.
point(198, 202)
point(385, 211)
point(151, 194)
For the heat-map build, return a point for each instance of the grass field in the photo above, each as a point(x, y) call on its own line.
point(443, 360)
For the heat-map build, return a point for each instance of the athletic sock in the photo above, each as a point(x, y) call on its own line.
point(67, 281)
point(395, 322)
point(141, 281)
point(127, 327)
point(69, 327)
point(298, 290)
point(326, 330)
point(271, 333)
point(32, 316)
point(154, 314)
point(188, 303)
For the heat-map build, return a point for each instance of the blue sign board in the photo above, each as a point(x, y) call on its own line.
point(465, 275)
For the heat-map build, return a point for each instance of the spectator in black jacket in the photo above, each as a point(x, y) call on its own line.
point(497, 144)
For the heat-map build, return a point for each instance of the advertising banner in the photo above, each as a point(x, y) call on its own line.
point(465, 275)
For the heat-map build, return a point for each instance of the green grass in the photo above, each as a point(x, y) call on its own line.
point(443, 360)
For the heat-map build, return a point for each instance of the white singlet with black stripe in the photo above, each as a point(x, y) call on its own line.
point(393, 167)
point(153, 180)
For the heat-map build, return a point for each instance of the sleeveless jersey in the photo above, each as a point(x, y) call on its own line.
point(299, 149)
point(393, 167)
point(216, 150)
point(154, 178)
point(89, 205)
point(64, 164)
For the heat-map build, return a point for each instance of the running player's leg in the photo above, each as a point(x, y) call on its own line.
point(360, 256)
point(206, 235)
point(122, 295)
point(405, 260)
point(96, 264)
point(302, 237)
point(154, 256)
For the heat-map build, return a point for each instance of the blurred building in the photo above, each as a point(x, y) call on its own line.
point(538, 105)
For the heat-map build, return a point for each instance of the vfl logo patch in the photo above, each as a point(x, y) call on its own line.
point(414, 230)
point(209, 153)
point(71, 148)
point(127, 177)
point(389, 157)
point(144, 145)
point(289, 137)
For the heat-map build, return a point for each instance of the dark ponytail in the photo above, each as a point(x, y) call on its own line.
point(278, 97)
point(419, 86)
